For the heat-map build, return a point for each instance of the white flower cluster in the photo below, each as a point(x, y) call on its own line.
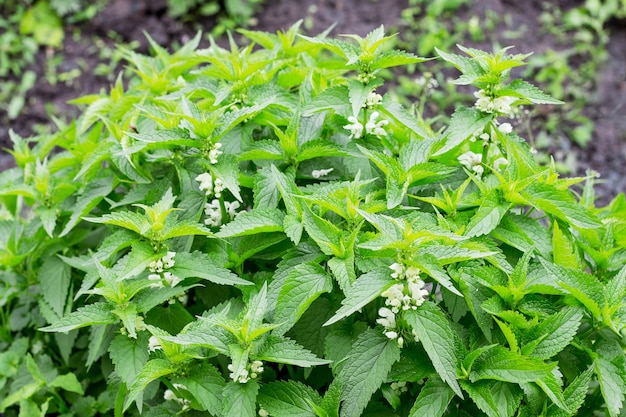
point(214, 153)
point(251, 371)
point(213, 211)
point(209, 186)
point(505, 128)
point(372, 127)
point(405, 295)
point(154, 344)
point(158, 272)
point(489, 104)
point(169, 395)
point(428, 82)
point(373, 99)
point(473, 162)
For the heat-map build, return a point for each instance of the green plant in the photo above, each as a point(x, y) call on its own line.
point(255, 230)
point(231, 14)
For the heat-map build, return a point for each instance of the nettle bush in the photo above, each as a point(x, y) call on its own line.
point(257, 231)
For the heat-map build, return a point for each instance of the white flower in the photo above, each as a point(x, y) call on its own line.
point(169, 395)
point(317, 173)
point(218, 187)
point(263, 413)
point(171, 279)
point(412, 272)
point(214, 153)
point(256, 366)
point(415, 336)
point(498, 162)
point(355, 128)
point(213, 212)
point(168, 260)
point(388, 318)
point(503, 104)
point(472, 161)
point(505, 128)
point(231, 208)
point(395, 297)
point(489, 104)
point(375, 128)
point(483, 103)
point(485, 137)
point(206, 182)
point(154, 344)
point(398, 270)
point(373, 99)
point(391, 334)
point(417, 291)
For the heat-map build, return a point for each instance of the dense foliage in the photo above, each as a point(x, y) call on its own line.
point(256, 230)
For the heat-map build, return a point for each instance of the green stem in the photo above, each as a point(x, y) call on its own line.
point(119, 400)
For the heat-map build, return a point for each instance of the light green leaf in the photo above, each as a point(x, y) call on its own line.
point(153, 369)
point(92, 195)
point(89, 315)
point(584, 287)
point(562, 249)
point(204, 332)
point(430, 265)
point(574, 395)
point(365, 289)
point(288, 399)
point(556, 331)
point(54, 278)
point(612, 384)
point(395, 58)
point(284, 350)
point(240, 399)
point(531, 93)
point(501, 364)
point(68, 382)
point(365, 369)
point(435, 333)
point(201, 265)
point(487, 216)
point(293, 228)
point(263, 149)
point(401, 116)
point(334, 98)
point(433, 399)
point(206, 384)
point(303, 285)
point(319, 149)
point(258, 220)
point(616, 288)
point(182, 228)
point(136, 222)
point(464, 122)
point(327, 236)
point(129, 356)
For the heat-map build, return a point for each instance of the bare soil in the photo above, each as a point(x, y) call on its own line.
point(129, 19)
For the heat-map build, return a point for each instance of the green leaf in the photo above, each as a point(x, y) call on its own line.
point(556, 333)
point(283, 350)
point(91, 196)
point(435, 333)
point(68, 382)
point(395, 58)
point(204, 332)
point(288, 399)
point(365, 289)
point(327, 236)
point(401, 116)
point(561, 204)
point(612, 384)
point(240, 399)
point(206, 384)
point(574, 395)
point(584, 287)
point(531, 93)
point(334, 98)
point(562, 249)
point(129, 356)
point(54, 278)
point(616, 288)
point(494, 399)
point(430, 265)
point(365, 369)
point(130, 220)
point(487, 216)
point(464, 122)
point(319, 149)
point(501, 364)
point(263, 149)
point(433, 399)
point(182, 228)
point(201, 265)
point(303, 285)
point(89, 315)
point(258, 220)
point(153, 369)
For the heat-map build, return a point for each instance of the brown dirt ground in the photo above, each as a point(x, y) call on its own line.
point(605, 154)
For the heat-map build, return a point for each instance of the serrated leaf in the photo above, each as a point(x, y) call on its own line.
point(616, 288)
point(129, 356)
point(562, 251)
point(68, 382)
point(201, 265)
point(293, 228)
point(487, 216)
point(327, 236)
point(206, 384)
point(303, 285)
point(205, 333)
point(89, 315)
point(574, 395)
point(433, 399)
point(283, 350)
point(557, 331)
point(366, 367)
point(182, 228)
point(258, 220)
point(54, 278)
point(465, 121)
point(612, 384)
point(288, 399)
point(435, 333)
point(240, 399)
point(92, 195)
point(494, 399)
point(584, 287)
point(365, 289)
point(532, 93)
point(395, 58)
point(561, 204)
point(394, 110)
point(153, 369)
point(501, 364)
point(263, 149)
point(136, 222)
point(334, 98)
point(430, 265)
point(318, 149)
